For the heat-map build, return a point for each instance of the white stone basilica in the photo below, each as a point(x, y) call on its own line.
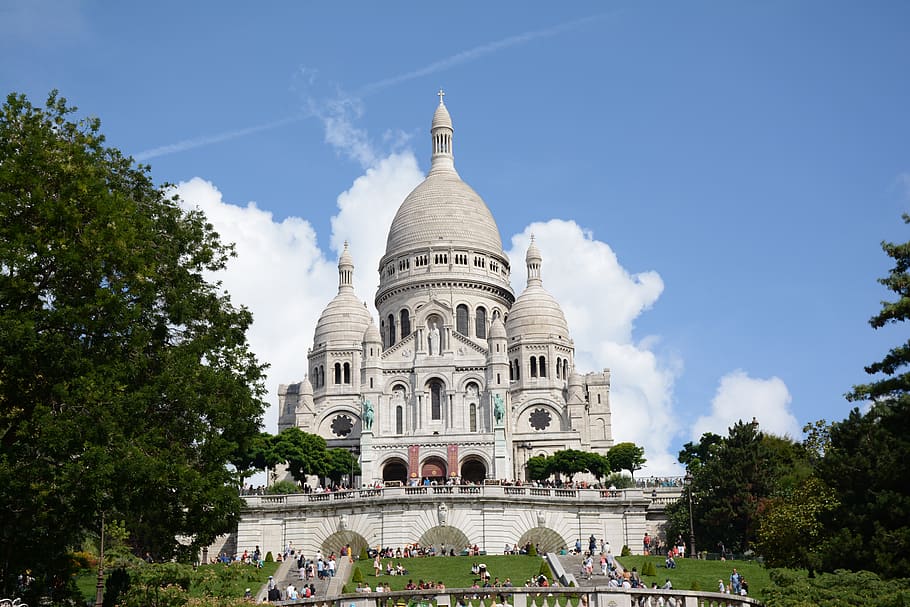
point(460, 380)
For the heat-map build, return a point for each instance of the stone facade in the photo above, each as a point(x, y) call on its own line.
point(460, 379)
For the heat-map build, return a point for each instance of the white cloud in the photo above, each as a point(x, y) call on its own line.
point(601, 301)
point(740, 397)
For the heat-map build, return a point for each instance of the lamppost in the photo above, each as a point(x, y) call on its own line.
point(688, 481)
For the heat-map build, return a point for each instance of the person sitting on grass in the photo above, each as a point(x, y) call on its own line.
point(670, 563)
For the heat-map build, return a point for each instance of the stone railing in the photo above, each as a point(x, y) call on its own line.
point(467, 492)
point(533, 597)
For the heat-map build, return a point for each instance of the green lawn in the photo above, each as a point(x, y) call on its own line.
point(706, 572)
point(453, 571)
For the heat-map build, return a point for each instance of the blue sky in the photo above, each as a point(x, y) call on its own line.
point(709, 181)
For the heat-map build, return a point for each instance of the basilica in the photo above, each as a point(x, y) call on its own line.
point(460, 380)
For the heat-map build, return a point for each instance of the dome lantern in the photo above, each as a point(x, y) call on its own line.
point(345, 270)
point(441, 132)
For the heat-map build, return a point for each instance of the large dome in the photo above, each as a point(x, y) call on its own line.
point(443, 209)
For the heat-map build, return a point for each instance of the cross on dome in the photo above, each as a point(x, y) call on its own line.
point(441, 94)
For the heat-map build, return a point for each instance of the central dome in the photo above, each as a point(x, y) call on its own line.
point(443, 209)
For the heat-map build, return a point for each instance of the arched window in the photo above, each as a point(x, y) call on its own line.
point(565, 368)
point(371, 382)
point(461, 319)
point(316, 376)
point(498, 379)
point(337, 377)
point(399, 420)
point(533, 366)
point(436, 397)
point(405, 324)
point(480, 323)
point(473, 416)
point(347, 373)
point(558, 365)
point(391, 323)
point(511, 372)
point(321, 376)
point(542, 363)
point(517, 370)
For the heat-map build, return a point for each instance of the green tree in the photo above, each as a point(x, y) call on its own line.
point(126, 381)
point(790, 531)
point(626, 456)
point(866, 455)
point(303, 453)
point(538, 468)
point(341, 462)
point(568, 462)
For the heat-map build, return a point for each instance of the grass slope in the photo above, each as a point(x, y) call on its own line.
point(707, 573)
point(453, 571)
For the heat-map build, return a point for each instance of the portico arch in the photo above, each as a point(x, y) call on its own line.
point(395, 469)
point(473, 470)
point(434, 468)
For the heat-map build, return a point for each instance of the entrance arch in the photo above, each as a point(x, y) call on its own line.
point(473, 470)
point(340, 539)
point(395, 470)
point(544, 538)
point(445, 538)
point(434, 468)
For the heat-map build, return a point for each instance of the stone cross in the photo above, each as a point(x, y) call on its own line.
point(441, 94)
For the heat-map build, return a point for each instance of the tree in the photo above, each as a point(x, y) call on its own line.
point(126, 381)
point(341, 462)
point(866, 454)
point(538, 468)
point(304, 453)
point(568, 462)
point(626, 456)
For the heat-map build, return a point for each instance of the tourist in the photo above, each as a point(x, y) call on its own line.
point(735, 581)
point(670, 563)
point(377, 565)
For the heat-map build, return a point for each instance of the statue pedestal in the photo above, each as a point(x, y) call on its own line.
point(366, 457)
point(502, 465)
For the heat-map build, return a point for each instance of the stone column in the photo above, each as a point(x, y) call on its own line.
point(367, 474)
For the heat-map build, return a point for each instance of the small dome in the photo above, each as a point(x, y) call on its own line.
point(306, 388)
point(497, 329)
point(371, 335)
point(343, 322)
point(537, 314)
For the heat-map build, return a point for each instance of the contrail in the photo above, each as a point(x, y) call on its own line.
point(478, 52)
point(198, 142)
point(443, 64)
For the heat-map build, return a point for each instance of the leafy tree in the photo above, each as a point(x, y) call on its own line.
point(568, 462)
point(304, 453)
point(790, 530)
point(598, 465)
point(126, 381)
point(341, 462)
point(538, 468)
point(731, 478)
point(791, 589)
point(626, 456)
point(867, 453)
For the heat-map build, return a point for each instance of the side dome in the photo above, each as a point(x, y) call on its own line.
point(497, 329)
point(345, 319)
point(372, 335)
point(535, 313)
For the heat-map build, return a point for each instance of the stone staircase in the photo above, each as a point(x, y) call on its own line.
point(289, 574)
point(572, 564)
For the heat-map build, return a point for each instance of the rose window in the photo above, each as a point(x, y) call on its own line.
point(342, 425)
point(540, 419)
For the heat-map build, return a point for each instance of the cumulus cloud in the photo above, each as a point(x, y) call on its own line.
point(601, 301)
point(740, 397)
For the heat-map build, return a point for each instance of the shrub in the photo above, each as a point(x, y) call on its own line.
point(625, 550)
point(282, 488)
point(357, 576)
point(364, 555)
point(545, 569)
point(532, 551)
point(648, 568)
point(268, 557)
point(346, 589)
point(695, 585)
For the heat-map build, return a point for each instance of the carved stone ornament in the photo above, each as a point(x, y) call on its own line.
point(443, 513)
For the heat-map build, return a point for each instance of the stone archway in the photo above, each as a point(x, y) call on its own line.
point(340, 539)
point(473, 470)
point(434, 468)
point(545, 538)
point(445, 536)
point(395, 469)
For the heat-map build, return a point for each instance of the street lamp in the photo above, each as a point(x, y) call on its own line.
point(688, 481)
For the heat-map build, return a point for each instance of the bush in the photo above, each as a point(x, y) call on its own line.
point(625, 551)
point(268, 557)
point(532, 551)
point(357, 576)
point(364, 555)
point(648, 569)
point(282, 488)
point(695, 585)
point(545, 569)
point(346, 589)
